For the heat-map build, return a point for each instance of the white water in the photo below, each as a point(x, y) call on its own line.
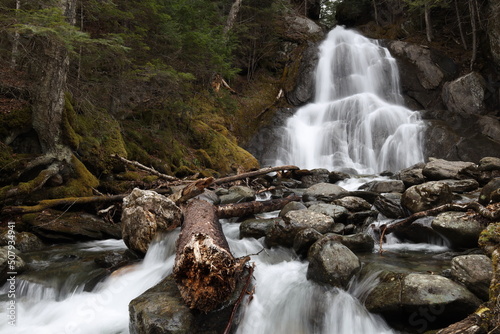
point(357, 120)
point(104, 310)
point(284, 300)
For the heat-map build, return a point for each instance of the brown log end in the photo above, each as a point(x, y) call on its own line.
point(206, 274)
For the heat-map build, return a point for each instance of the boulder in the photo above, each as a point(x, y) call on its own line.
point(7, 255)
point(161, 310)
point(420, 301)
point(238, 194)
point(489, 193)
point(426, 196)
point(283, 232)
point(336, 176)
point(465, 95)
point(304, 239)
point(489, 164)
point(359, 242)
point(421, 231)
point(323, 191)
point(57, 226)
point(462, 186)
point(459, 228)
point(24, 241)
point(353, 203)
point(146, 213)
point(337, 212)
point(256, 228)
point(292, 206)
point(390, 205)
point(331, 263)
point(318, 175)
point(385, 186)
point(412, 176)
point(474, 272)
point(439, 169)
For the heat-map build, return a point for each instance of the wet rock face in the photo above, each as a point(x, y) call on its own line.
point(332, 263)
point(465, 95)
point(146, 213)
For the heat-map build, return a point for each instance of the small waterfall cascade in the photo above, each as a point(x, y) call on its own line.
point(357, 120)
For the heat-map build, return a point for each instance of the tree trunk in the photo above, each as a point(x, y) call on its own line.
point(459, 20)
point(233, 14)
point(428, 23)
point(205, 271)
point(48, 104)
point(472, 11)
point(15, 42)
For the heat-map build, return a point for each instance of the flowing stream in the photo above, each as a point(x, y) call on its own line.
point(357, 121)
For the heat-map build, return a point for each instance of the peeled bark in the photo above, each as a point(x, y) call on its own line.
point(205, 271)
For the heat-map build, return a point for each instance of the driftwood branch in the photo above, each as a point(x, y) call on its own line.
point(249, 208)
point(191, 190)
point(254, 173)
point(145, 168)
point(50, 203)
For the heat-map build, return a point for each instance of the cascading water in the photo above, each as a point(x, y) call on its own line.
point(356, 120)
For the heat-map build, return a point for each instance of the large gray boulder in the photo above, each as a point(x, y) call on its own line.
point(146, 213)
point(324, 192)
point(422, 301)
point(385, 186)
point(353, 203)
point(337, 212)
point(161, 310)
point(465, 95)
point(283, 232)
point(332, 263)
point(390, 205)
point(412, 176)
point(459, 228)
point(474, 272)
point(426, 196)
point(256, 228)
point(439, 169)
point(238, 194)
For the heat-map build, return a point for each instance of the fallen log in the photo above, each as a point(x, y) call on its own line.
point(254, 173)
point(205, 271)
point(249, 208)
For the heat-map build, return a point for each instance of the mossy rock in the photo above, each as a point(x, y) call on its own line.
point(489, 239)
point(223, 150)
point(95, 135)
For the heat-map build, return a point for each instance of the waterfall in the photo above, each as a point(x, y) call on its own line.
point(356, 120)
